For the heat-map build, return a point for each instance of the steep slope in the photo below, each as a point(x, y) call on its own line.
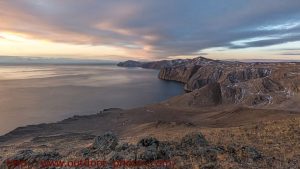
point(239, 83)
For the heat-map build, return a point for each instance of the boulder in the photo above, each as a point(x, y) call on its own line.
point(244, 153)
point(106, 142)
point(148, 141)
point(148, 149)
point(193, 140)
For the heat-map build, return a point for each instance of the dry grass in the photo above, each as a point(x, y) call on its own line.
point(277, 140)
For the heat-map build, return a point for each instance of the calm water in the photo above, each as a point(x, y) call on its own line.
point(38, 94)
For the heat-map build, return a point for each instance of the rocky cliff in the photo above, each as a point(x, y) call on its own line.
point(250, 84)
point(224, 82)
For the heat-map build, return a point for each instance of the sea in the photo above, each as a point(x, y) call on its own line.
point(33, 94)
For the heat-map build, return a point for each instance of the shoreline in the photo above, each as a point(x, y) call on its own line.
point(171, 66)
point(50, 99)
point(242, 131)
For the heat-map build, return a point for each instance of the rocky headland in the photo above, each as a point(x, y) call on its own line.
point(224, 82)
point(234, 115)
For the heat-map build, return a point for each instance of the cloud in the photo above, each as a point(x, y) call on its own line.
point(265, 40)
point(157, 28)
point(284, 26)
point(286, 49)
point(296, 54)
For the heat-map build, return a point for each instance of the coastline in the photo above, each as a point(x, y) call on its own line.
point(223, 123)
point(45, 94)
point(169, 66)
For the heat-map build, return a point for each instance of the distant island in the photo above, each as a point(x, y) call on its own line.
point(233, 115)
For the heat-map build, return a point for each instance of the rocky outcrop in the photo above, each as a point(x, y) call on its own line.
point(105, 143)
point(194, 140)
point(192, 151)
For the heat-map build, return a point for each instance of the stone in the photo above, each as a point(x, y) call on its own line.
point(252, 153)
point(194, 140)
point(148, 141)
point(244, 153)
point(106, 142)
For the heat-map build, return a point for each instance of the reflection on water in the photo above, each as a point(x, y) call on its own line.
point(15, 72)
point(36, 94)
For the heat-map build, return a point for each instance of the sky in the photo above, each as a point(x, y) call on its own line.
point(150, 29)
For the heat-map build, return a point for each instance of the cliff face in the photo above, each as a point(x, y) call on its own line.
point(183, 72)
point(238, 83)
point(222, 82)
point(178, 73)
